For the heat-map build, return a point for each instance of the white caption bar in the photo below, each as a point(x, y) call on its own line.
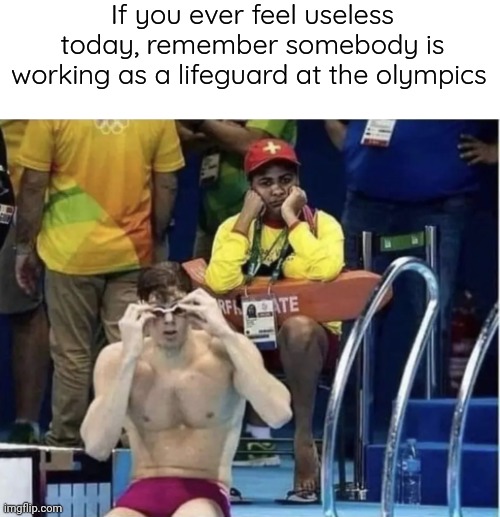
point(280, 59)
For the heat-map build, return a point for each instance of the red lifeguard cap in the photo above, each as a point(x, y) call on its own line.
point(268, 150)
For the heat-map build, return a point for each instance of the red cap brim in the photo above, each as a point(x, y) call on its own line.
point(272, 159)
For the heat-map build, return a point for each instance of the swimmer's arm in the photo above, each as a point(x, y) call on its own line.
point(229, 254)
point(103, 423)
point(268, 396)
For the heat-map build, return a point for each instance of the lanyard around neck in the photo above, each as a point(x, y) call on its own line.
point(256, 258)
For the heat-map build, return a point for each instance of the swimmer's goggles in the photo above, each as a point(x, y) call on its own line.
point(171, 308)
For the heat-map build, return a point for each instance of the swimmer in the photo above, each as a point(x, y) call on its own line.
point(178, 383)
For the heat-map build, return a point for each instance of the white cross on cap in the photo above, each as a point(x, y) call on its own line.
point(272, 148)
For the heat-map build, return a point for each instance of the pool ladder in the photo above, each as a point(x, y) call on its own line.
point(478, 354)
point(479, 351)
point(344, 367)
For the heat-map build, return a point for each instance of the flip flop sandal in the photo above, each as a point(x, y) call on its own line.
point(236, 497)
point(300, 497)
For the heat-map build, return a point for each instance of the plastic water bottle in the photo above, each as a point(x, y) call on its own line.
point(408, 488)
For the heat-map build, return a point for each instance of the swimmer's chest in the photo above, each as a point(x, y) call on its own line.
point(199, 396)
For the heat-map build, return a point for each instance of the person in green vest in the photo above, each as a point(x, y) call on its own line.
point(224, 185)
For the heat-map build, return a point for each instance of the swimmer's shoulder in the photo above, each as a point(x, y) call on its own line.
point(108, 362)
point(111, 356)
point(111, 353)
point(211, 344)
point(219, 350)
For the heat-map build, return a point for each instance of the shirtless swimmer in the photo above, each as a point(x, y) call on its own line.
point(178, 382)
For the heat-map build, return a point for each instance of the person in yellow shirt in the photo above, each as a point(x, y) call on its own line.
point(110, 188)
point(26, 315)
point(271, 237)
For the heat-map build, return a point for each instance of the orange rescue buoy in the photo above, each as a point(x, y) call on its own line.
point(341, 299)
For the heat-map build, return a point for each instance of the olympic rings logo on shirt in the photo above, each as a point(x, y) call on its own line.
point(111, 127)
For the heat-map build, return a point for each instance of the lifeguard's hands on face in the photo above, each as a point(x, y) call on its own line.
point(132, 328)
point(293, 205)
point(253, 206)
point(206, 312)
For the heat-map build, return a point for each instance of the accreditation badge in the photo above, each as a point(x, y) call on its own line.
point(259, 321)
point(209, 172)
point(378, 133)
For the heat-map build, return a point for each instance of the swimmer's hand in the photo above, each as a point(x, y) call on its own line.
point(206, 312)
point(132, 328)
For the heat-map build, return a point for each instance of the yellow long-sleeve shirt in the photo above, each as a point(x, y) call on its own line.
point(317, 257)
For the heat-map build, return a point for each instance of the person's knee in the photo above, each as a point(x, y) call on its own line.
point(299, 333)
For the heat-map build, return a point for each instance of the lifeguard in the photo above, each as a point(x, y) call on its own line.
point(277, 236)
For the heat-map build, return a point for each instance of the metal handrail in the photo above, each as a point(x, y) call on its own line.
point(478, 354)
point(364, 391)
point(345, 364)
point(431, 259)
point(397, 420)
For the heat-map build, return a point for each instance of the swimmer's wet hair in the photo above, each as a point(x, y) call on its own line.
point(161, 279)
